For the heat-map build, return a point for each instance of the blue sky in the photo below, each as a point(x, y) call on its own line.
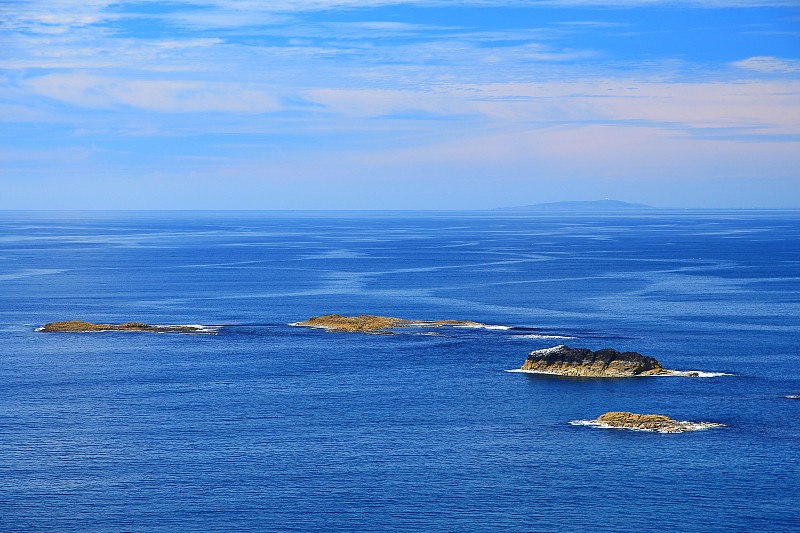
point(422, 104)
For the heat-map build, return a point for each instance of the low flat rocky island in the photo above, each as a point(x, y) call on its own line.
point(79, 326)
point(581, 362)
point(378, 324)
point(656, 423)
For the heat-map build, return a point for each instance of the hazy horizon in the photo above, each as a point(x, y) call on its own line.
point(509, 210)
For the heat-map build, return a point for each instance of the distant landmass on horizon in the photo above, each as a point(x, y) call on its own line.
point(591, 205)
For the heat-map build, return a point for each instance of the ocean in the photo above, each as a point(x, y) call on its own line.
point(265, 426)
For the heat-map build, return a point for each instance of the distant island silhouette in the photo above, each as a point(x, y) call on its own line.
point(591, 205)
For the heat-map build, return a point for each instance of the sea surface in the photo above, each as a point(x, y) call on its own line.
point(265, 426)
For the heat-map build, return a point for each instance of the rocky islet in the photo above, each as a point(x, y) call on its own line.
point(80, 326)
point(377, 324)
point(648, 422)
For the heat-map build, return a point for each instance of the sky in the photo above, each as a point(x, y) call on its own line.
point(388, 104)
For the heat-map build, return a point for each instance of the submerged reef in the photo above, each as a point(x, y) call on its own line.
point(582, 362)
point(377, 324)
point(655, 423)
point(79, 326)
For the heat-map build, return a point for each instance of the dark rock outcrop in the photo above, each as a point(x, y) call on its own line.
point(566, 361)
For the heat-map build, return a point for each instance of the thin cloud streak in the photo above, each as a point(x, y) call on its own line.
point(768, 64)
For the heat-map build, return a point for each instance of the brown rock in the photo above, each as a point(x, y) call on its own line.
point(376, 324)
point(78, 326)
point(636, 421)
point(657, 423)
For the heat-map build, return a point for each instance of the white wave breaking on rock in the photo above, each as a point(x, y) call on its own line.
point(696, 374)
point(542, 372)
point(685, 426)
point(668, 374)
point(198, 328)
point(421, 324)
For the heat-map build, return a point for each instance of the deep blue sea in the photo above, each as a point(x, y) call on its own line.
point(269, 427)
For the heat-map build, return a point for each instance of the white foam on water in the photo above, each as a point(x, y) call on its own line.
point(521, 371)
point(482, 326)
point(562, 374)
point(686, 426)
point(672, 373)
point(696, 374)
point(313, 326)
point(198, 328)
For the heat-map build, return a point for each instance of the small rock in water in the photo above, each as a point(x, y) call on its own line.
point(652, 422)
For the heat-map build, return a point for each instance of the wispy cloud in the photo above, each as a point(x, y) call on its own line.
point(98, 92)
point(757, 107)
point(769, 64)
